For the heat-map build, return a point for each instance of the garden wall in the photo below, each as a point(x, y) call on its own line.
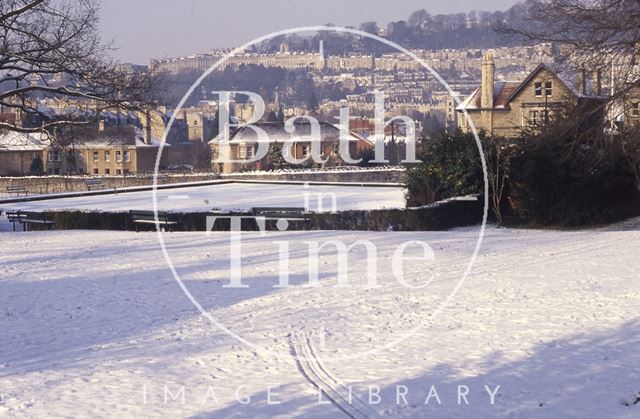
point(61, 184)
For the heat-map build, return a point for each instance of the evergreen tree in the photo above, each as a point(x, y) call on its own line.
point(37, 166)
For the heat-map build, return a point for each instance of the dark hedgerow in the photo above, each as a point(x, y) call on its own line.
point(570, 182)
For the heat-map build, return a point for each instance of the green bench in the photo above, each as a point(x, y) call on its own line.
point(148, 217)
point(29, 218)
point(93, 183)
point(17, 190)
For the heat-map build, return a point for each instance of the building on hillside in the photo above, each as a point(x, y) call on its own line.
point(18, 152)
point(110, 151)
point(243, 145)
point(200, 124)
point(506, 108)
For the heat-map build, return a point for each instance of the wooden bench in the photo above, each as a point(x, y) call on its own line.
point(277, 213)
point(29, 217)
point(288, 214)
point(148, 217)
point(17, 190)
point(93, 183)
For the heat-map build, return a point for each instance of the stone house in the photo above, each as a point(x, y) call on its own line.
point(110, 151)
point(243, 145)
point(18, 151)
point(506, 108)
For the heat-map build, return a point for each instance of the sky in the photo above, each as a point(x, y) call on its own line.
point(145, 29)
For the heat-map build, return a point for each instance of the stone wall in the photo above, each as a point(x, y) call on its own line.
point(61, 184)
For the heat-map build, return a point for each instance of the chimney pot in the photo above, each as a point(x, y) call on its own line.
point(486, 86)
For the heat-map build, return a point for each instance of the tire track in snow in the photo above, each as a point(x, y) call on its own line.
point(315, 373)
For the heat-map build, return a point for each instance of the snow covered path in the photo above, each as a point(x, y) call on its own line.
point(94, 325)
point(229, 196)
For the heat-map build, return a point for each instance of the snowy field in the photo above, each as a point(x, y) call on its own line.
point(229, 196)
point(94, 325)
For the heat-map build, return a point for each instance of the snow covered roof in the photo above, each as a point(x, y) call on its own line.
point(502, 94)
point(18, 141)
point(277, 133)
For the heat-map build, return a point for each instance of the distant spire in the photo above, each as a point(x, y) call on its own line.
point(277, 108)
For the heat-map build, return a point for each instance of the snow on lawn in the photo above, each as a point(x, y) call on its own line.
point(94, 325)
point(230, 196)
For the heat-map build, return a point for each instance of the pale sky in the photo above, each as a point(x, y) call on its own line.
point(145, 29)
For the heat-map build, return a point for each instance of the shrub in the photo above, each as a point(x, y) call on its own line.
point(37, 166)
point(450, 166)
point(568, 181)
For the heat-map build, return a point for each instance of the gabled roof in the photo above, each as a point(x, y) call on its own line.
point(540, 67)
point(505, 91)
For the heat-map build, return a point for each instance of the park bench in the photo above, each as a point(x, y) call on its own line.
point(288, 214)
point(148, 217)
point(29, 218)
point(277, 213)
point(17, 190)
point(93, 183)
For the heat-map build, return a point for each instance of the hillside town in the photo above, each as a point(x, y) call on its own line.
point(519, 88)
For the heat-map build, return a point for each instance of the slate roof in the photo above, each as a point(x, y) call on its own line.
point(277, 133)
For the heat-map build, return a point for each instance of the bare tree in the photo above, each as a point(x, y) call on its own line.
point(597, 36)
point(592, 34)
point(498, 153)
point(51, 49)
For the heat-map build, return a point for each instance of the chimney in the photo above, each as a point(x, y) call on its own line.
point(597, 82)
point(486, 87)
point(147, 127)
point(582, 81)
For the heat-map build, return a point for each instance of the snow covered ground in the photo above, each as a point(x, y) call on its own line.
point(229, 196)
point(94, 325)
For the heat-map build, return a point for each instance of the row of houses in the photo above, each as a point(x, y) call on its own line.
point(502, 108)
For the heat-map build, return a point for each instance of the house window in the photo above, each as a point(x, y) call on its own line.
point(250, 151)
point(635, 109)
point(118, 172)
point(54, 155)
point(285, 151)
point(127, 156)
point(96, 156)
point(118, 156)
point(538, 117)
point(538, 89)
point(242, 152)
point(305, 150)
point(95, 171)
point(548, 87)
point(107, 171)
point(127, 171)
point(107, 156)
